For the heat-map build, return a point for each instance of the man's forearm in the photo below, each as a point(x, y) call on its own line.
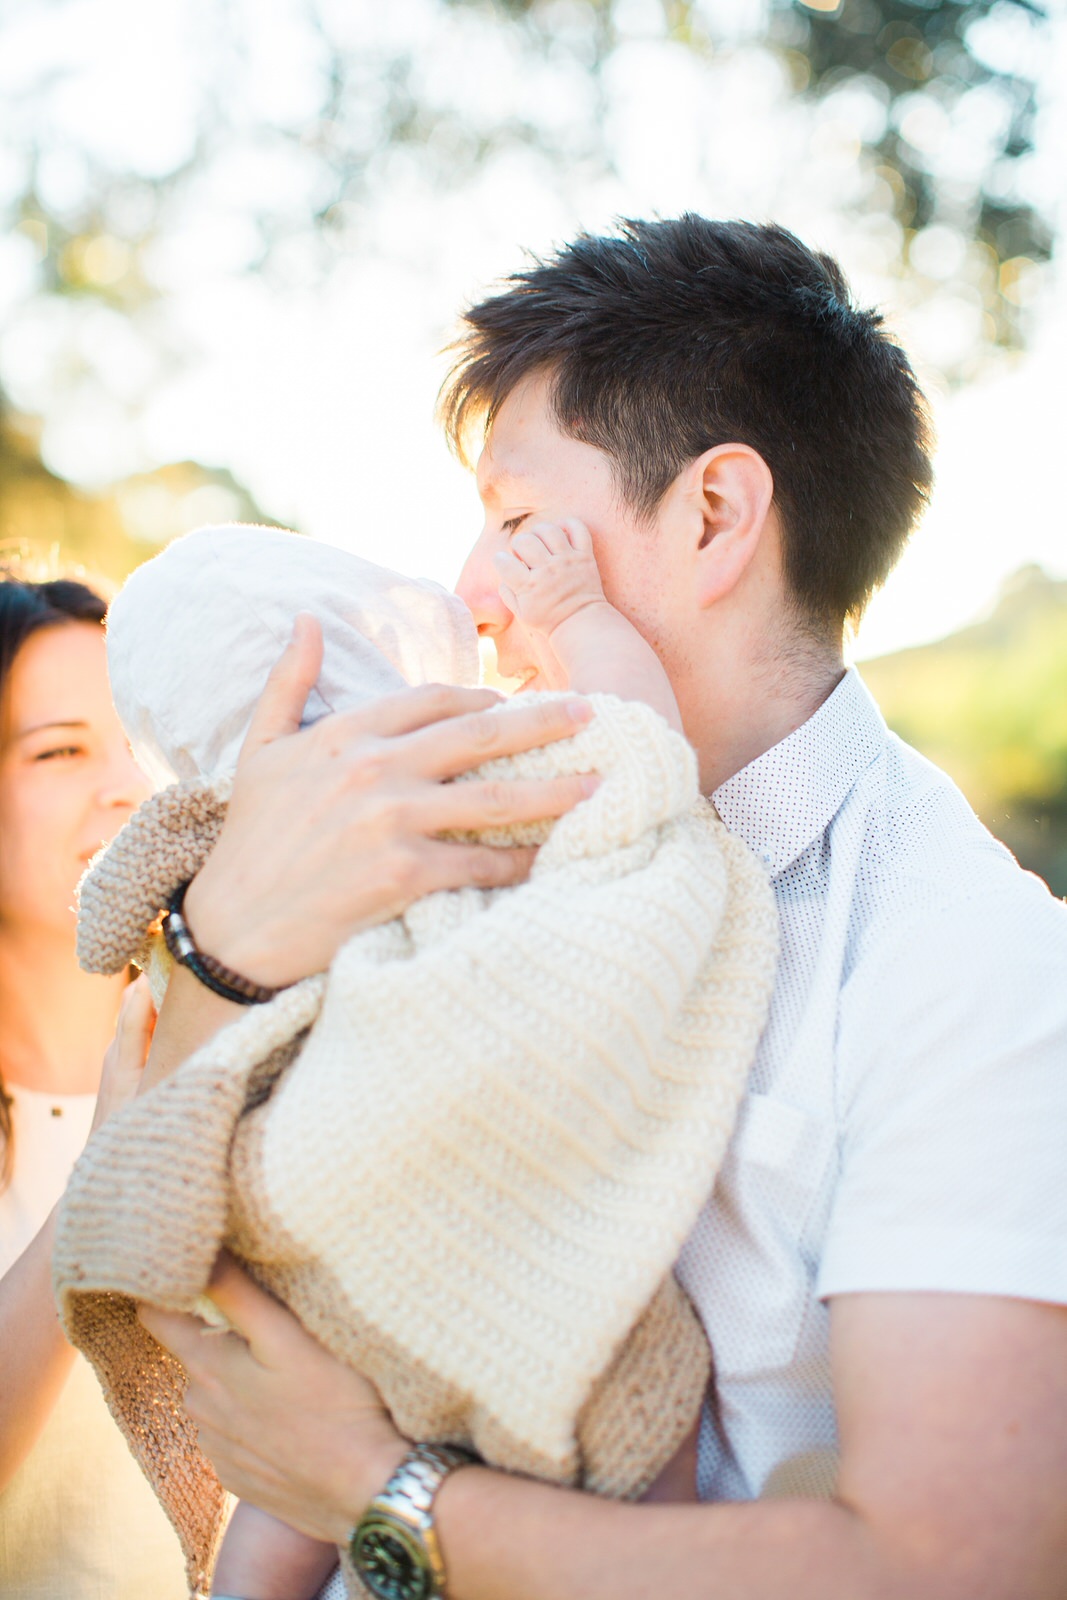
point(507, 1538)
point(939, 1498)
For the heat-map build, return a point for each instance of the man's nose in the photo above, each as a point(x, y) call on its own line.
point(479, 587)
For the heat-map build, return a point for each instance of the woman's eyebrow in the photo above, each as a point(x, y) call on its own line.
point(40, 727)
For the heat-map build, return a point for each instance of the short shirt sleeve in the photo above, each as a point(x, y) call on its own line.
point(952, 1086)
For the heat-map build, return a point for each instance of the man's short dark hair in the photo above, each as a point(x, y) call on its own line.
point(670, 337)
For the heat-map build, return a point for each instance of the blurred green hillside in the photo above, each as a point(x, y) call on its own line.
point(109, 532)
point(989, 705)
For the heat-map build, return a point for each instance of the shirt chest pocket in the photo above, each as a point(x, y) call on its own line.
point(745, 1265)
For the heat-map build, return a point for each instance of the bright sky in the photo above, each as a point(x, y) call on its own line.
point(319, 395)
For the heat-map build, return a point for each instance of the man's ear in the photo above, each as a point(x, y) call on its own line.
point(731, 488)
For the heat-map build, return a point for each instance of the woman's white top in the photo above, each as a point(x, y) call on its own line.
point(78, 1521)
point(50, 1132)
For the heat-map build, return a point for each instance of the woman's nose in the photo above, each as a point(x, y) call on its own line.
point(122, 784)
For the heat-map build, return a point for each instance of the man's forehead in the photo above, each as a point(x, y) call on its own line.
point(507, 462)
point(517, 438)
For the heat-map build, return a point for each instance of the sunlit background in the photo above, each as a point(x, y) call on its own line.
point(237, 235)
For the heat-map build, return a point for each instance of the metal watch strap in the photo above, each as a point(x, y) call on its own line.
point(407, 1502)
point(422, 1472)
point(220, 979)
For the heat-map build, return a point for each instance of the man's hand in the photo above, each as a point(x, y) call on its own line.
point(286, 1426)
point(336, 827)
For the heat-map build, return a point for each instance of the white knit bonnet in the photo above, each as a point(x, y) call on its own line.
point(195, 631)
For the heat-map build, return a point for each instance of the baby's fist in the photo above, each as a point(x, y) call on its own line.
point(548, 573)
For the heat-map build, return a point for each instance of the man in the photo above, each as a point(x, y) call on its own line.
point(883, 1267)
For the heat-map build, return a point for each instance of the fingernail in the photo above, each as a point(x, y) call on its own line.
point(590, 782)
point(579, 711)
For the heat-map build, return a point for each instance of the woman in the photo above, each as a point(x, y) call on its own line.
point(77, 1520)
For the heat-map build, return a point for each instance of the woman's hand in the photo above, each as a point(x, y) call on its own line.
point(286, 1426)
point(125, 1057)
point(336, 827)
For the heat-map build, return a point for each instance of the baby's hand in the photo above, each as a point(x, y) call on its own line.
point(549, 573)
point(549, 579)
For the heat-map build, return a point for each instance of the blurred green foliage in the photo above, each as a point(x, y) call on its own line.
point(948, 104)
point(927, 62)
point(923, 73)
point(925, 68)
point(989, 705)
point(946, 97)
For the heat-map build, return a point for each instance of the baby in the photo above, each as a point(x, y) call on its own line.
point(549, 579)
point(468, 1155)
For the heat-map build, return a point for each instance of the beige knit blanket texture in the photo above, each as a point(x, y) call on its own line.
point(468, 1155)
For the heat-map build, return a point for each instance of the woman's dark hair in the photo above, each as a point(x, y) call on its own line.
point(668, 338)
point(27, 606)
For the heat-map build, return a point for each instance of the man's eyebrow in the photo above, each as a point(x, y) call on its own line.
point(40, 727)
point(497, 482)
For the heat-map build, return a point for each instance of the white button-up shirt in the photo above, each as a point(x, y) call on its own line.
point(906, 1121)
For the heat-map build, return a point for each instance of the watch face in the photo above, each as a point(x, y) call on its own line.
point(391, 1561)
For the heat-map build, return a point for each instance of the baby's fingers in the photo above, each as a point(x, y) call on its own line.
point(513, 577)
point(578, 535)
point(531, 546)
point(552, 535)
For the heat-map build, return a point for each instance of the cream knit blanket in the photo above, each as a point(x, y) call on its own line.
point(468, 1155)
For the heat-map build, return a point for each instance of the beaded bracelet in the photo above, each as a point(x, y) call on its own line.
point(222, 980)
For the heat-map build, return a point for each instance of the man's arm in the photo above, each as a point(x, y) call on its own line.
point(953, 1482)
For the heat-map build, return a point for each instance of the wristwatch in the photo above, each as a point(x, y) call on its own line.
point(394, 1546)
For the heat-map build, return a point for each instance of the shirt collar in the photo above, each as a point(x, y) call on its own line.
point(788, 796)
